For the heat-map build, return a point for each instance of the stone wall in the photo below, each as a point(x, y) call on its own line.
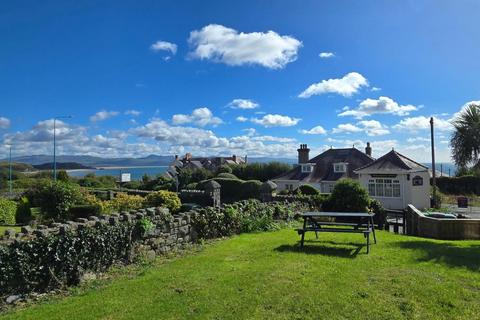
point(171, 232)
point(446, 229)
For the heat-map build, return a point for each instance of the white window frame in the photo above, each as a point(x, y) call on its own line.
point(307, 168)
point(339, 167)
point(384, 188)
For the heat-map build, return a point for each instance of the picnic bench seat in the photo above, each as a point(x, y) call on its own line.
point(313, 223)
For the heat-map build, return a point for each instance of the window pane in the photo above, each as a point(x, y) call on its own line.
point(379, 189)
point(396, 190)
point(388, 189)
point(371, 189)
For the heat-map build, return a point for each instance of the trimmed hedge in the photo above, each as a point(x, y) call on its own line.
point(459, 185)
point(243, 216)
point(8, 209)
point(226, 175)
point(46, 263)
point(308, 190)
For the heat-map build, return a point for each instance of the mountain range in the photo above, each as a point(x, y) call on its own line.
point(151, 160)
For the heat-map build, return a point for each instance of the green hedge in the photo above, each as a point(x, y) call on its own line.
point(8, 209)
point(243, 216)
point(46, 263)
point(459, 185)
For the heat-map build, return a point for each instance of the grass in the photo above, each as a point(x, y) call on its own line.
point(267, 276)
point(3, 228)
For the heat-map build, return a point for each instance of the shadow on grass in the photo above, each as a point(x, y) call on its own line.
point(444, 253)
point(327, 248)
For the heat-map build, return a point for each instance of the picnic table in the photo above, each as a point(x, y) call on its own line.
point(358, 222)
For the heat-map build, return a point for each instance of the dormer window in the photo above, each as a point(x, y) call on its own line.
point(339, 167)
point(307, 168)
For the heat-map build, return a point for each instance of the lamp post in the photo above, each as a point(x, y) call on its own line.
point(10, 170)
point(434, 184)
point(55, 145)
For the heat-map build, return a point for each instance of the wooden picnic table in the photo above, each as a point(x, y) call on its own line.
point(360, 222)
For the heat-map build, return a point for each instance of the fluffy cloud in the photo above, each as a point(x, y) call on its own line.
point(103, 115)
point(381, 105)
point(200, 117)
point(314, 130)
point(241, 119)
point(132, 113)
point(243, 104)
point(373, 128)
point(164, 46)
point(346, 128)
point(415, 124)
point(225, 45)
point(348, 85)
point(275, 120)
point(325, 55)
point(4, 123)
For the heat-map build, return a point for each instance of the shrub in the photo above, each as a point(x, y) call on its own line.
point(191, 186)
point(165, 199)
point(123, 202)
point(380, 217)
point(250, 189)
point(347, 196)
point(24, 211)
point(8, 209)
point(54, 199)
point(459, 185)
point(230, 189)
point(225, 175)
point(308, 190)
point(260, 171)
point(225, 168)
point(84, 211)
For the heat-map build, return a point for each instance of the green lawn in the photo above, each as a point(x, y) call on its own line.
point(266, 276)
point(3, 228)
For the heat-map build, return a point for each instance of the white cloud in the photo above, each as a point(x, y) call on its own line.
point(273, 139)
point(418, 139)
point(348, 85)
point(243, 104)
point(4, 123)
point(103, 115)
point(346, 128)
point(314, 130)
point(242, 119)
point(373, 128)
point(374, 89)
point(415, 124)
point(275, 120)
point(381, 105)
point(455, 115)
point(132, 113)
point(225, 45)
point(325, 55)
point(164, 46)
point(200, 117)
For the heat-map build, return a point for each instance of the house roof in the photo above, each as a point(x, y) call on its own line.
point(393, 161)
point(323, 166)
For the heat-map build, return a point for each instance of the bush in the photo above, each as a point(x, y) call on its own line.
point(225, 175)
point(250, 189)
point(165, 199)
point(380, 217)
point(85, 211)
point(308, 190)
point(54, 199)
point(123, 202)
point(230, 189)
point(260, 171)
point(347, 196)
point(8, 209)
point(225, 168)
point(45, 263)
point(24, 211)
point(459, 185)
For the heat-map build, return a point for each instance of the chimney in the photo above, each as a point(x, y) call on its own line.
point(303, 154)
point(234, 158)
point(368, 149)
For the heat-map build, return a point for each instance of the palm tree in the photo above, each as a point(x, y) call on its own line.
point(465, 140)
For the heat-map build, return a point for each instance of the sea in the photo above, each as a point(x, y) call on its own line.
point(136, 173)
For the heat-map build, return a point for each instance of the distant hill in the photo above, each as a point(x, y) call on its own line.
point(61, 166)
point(151, 160)
point(16, 166)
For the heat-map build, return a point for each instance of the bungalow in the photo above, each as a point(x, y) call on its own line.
point(396, 181)
point(325, 169)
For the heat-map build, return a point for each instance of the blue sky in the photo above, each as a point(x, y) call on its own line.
point(245, 77)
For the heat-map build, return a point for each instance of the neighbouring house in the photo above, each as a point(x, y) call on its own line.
point(209, 163)
point(325, 169)
point(396, 181)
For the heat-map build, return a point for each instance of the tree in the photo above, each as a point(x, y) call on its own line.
point(465, 140)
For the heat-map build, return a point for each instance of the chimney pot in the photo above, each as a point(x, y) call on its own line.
point(303, 154)
point(368, 149)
